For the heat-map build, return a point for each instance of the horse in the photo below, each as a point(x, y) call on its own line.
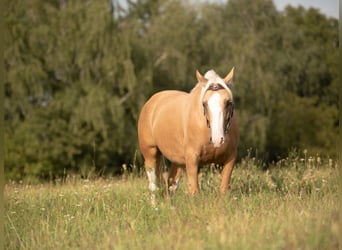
point(190, 129)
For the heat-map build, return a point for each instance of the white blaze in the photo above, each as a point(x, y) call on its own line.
point(216, 126)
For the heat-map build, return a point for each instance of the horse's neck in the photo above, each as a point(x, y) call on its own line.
point(194, 99)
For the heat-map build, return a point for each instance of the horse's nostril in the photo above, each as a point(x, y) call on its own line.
point(222, 140)
point(211, 140)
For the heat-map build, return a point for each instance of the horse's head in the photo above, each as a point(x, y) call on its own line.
point(217, 101)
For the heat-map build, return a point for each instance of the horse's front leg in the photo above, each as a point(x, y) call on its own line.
point(226, 174)
point(192, 173)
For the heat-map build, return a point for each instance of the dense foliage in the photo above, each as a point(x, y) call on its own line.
point(78, 73)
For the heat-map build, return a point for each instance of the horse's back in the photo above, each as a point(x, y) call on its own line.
point(165, 98)
point(160, 102)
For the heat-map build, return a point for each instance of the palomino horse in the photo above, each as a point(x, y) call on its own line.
point(190, 129)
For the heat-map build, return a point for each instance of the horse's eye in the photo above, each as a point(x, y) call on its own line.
point(204, 107)
point(230, 108)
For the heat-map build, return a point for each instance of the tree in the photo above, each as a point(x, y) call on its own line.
point(78, 73)
point(70, 88)
point(306, 115)
point(245, 34)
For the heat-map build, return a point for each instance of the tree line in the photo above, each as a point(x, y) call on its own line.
point(78, 72)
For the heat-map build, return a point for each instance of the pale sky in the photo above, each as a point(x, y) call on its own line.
point(327, 7)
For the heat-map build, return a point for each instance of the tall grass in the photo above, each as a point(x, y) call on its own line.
point(293, 205)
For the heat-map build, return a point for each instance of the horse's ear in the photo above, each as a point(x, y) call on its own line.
point(229, 78)
point(200, 78)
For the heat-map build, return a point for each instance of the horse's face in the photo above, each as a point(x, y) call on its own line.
point(217, 101)
point(218, 111)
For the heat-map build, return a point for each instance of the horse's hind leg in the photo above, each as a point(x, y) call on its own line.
point(150, 167)
point(174, 175)
point(153, 169)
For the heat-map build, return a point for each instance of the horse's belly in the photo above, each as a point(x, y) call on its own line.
point(172, 149)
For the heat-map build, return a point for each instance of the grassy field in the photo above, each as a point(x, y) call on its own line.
point(293, 205)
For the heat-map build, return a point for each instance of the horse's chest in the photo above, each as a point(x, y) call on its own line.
point(210, 154)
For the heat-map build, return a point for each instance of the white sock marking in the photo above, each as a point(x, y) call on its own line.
point(173, 188)
point(152, 178)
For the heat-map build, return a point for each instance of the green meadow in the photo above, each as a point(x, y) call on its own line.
point(292, 205)
point(78, 73)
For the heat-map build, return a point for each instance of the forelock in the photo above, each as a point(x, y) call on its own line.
point(212, 76)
